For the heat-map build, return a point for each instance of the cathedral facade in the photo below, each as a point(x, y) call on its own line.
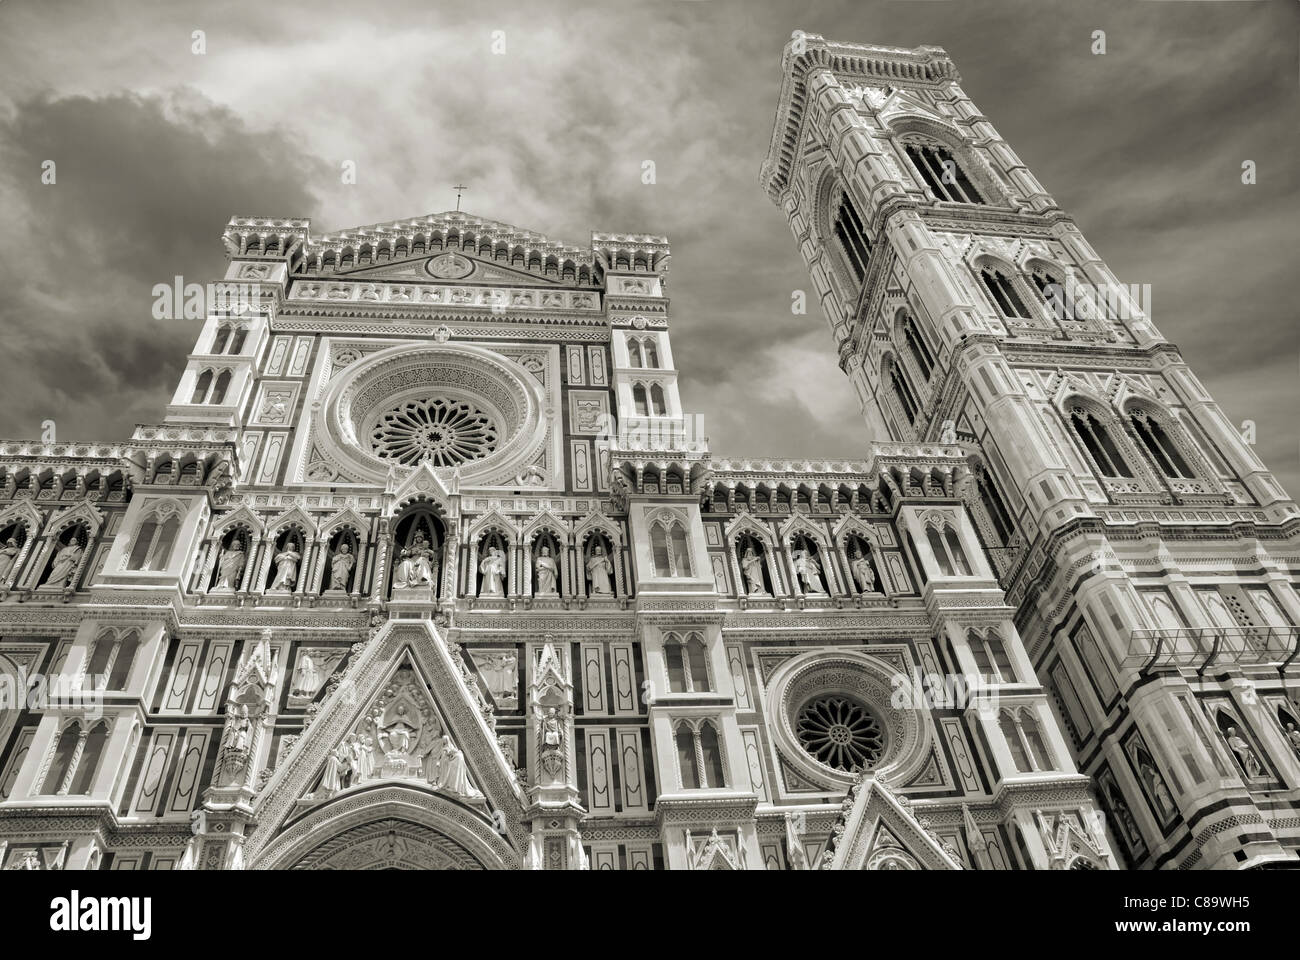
point(427, 565)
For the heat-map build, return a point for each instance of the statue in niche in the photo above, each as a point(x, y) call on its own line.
point(1160, 793)
point(493, 569)
point(307, 677)
point(8, 554)
point(65, 564)
point(552, 731)
point(599, 571)
point(341, 565)
point(1125, 816)
point(231, 567)
point(1245, 755)
point(256, 677)
point(808, 569)
point(863, 572)
point(547, 573)
point(417, 565)
point(451, 773)
point(243, 731)
point(1293, 737)
point(751, 564)
point(286, 566)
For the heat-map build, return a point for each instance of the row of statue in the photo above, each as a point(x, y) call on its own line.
point(66, 562)
point(807, 569)
point(417, 565)
point(352, 763)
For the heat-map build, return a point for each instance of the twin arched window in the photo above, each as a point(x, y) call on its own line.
point(995, 507)
point(641, 352)
point(76, 759)
point(1025, 740)
point(897, 382)
point(941, 172)
point(211, 387)
point(669, 548)
point(991, 657)
point(229, 339)
point(946, 547)
point(1159, 444)
point(651, 402)
point(1002, 289)
point(688, 663)
point(154, 540)
point(111, 657)
point(699, 755)
point(1096, 437)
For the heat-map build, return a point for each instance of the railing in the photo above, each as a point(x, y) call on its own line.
point(1203, 647)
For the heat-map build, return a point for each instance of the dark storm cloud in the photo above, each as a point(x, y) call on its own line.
point(1143, 146)
point(143, 188)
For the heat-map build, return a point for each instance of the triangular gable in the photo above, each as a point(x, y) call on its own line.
point(242, 514)
point(397, 643)
point(425, 483)
point(880, 833)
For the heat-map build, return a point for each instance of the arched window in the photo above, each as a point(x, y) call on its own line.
point(237, 343)
point(639, 400)
point(903, 391)
point(634, 353)
point(219, 389)
point(712, 756)
point(919, 348)
point(955, 551)
point(123, 660)
point(659, 549)
point(657, 405)
point(852, 237)
point(1004, 294)
point(942, 173)
point(1097, 440)
point(1158, 443)
point(937, 548)
point(995, 507)
point(1011, 734)
point(698, 661)
point(201, 387)
point(1038, 752)
point(65, 752)
point(651, 355)
point(686, 759)
point(111, 657)
point(674, 656)
point(680, 554)
point(223, 336)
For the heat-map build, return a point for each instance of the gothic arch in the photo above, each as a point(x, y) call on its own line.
point(345, 518)
point(913, 126)
point(389, 826)
point(83, 512)
point(243, 516)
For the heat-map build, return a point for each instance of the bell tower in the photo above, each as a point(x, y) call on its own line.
point(1152, 558)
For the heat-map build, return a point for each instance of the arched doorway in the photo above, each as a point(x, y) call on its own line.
point(391, 827)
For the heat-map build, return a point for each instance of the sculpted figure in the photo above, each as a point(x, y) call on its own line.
point(809, 571)
point(552, 735)
point(341, 566)
point(286, 566)
point(231, 567)
point(751, 564)
point(65, 564)
point(337, 768)
point(1245, 755)
point(423, 563)
point(1156, 783)
point(493, 569)
point(599, 571)
point(402, 574)
point(8, 553)
point(453, 776)
point(863, 572)
point(308, 677)
point(547, 573)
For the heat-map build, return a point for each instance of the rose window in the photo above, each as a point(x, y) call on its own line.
point(840, 733)
point(444, 432)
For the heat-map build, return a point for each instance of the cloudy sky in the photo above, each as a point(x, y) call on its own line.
point(156, 147)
